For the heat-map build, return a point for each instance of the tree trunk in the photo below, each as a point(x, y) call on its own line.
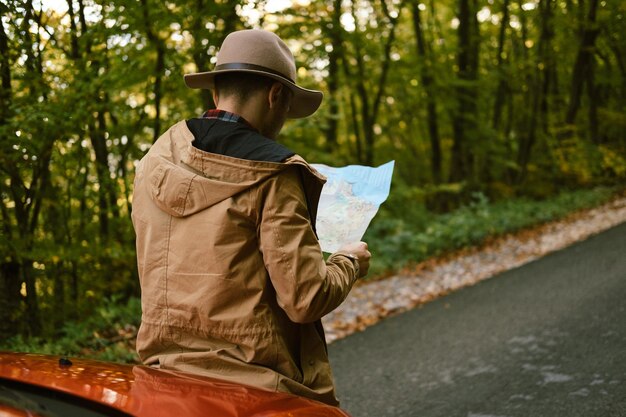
point(10, 286)
point(333, 77)
point(540, 88)
point(356, 128)
point(5, 76)
point(502, 89)
point(33, 315)
point(431, 105)
point(57, 219)
point(464, 116)
point(98, 142)
point(369, 110)
point(592, 94)
point(59, 302)
point(159, 67)
point(366, 119)
point(584, 61)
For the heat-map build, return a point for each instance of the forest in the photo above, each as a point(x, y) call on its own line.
point(499, 114)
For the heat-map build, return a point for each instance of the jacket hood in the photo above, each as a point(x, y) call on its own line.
point(183, 180)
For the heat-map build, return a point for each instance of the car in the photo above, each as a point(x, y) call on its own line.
point(45, 385)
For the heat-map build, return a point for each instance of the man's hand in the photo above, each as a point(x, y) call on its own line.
point(359, 250)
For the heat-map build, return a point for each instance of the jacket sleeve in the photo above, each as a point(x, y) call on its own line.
point(307, 287)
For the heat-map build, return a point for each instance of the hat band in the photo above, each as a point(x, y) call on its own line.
point(242, 66)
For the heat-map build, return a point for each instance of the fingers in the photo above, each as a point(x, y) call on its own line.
point(357, 248)
point(364, 261)
point(363, 255)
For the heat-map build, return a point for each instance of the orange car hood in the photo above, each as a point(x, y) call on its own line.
point(144, 391)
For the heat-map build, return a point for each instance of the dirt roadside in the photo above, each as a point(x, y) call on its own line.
point(371, 301)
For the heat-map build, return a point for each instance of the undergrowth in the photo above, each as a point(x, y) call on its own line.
point(108, 334)
point(396, 242)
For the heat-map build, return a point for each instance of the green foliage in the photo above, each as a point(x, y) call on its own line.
point(86, 91)
point(400, 241)
point(108, 333)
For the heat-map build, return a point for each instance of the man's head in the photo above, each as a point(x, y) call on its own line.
point(264, 54)
point(241, 85)
point(261, 100)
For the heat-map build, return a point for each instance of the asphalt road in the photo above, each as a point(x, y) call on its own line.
point(547, 339)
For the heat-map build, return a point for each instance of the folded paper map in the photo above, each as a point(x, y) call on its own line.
point(349, 201)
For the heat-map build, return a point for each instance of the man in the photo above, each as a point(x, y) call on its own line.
point(233, 279)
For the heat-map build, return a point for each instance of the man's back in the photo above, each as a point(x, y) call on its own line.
point(233, 282)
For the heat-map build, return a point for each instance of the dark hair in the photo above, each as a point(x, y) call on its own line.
point(241, 84)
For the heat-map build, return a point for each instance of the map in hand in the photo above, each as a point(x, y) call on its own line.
point(349, 201)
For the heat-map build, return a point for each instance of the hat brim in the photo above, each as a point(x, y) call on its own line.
point(304, 103)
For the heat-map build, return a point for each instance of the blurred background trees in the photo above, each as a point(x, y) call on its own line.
point(477, 101)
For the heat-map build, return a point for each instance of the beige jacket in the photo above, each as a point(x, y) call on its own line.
point(232, 276)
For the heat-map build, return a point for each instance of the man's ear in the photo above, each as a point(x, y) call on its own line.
point(275, 94)
point(215, 97)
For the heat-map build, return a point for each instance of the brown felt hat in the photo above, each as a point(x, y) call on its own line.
point(264, 53)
